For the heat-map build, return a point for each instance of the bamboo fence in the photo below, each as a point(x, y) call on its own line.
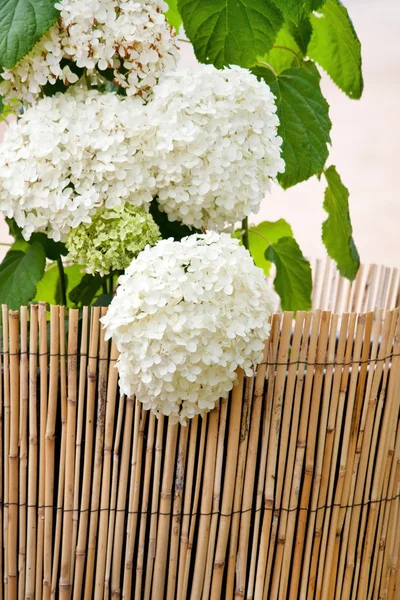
point(287, 490)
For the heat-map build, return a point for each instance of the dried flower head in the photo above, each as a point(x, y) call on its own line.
point(128, 41)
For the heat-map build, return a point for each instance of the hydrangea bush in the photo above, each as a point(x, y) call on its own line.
point(140, 176)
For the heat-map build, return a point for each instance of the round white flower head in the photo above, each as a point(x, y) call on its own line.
point(219, 149)
point(70, 155)
point(186, 315)
point(129, 41)
point(113, 238)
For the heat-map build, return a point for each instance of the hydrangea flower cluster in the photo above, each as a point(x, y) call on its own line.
point(186, 316)
point(70, 155)
point(130, 38)
point(217, 142)
point(113, 238)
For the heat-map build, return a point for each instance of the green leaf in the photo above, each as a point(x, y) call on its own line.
point(169, 228)
point(225, 32)
point(261, 236)
point(103, 300)
point(53, 250)
point(293, 281)
point(86, 290)
point(48, 288)
point(337, 230)
point(22, 24)
point(284, 53)
point(19, 274)
point(172, 15)
point(295, 10)
point(13, 229)
point(335, 46)
point(301, 32)
point(304, 121)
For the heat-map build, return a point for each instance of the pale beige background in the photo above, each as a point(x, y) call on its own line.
point(365, 146)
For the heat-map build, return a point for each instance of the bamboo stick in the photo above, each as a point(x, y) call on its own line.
point(177, 514)
point(212, 540)
point(43, 381)
point(136, 469)
point(12, 588)
point(391, 409)
point(205, 511)
point(320, 482)
point(188, 539)
point(106, 476)
point(23, 452)
point(249, 481)
point(379, 382)
point(65, 574)
point(33, 457)
point(83, 360)
point(113, 500)
point(368, 433)
point(340, 382)
point(80, 554)
point(145, 505)
point(299, 456)
point(151, 552)
point(386, 513)
point(355, 404)
point(288, 516)
point(228, 486)
point(343, 482)
point(308, 456)
point(61, 469)
point(121, 501)
point(290, 423)
point(266, 420)
point(184, 538)
point(393, 515)
point(160, 566)
point(50, 450)
point(6, 398)
point(98, 463)
point(2, 453)
point(239, 483)
point(273, 484)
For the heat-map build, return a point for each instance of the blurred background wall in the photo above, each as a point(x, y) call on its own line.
point(365, 147)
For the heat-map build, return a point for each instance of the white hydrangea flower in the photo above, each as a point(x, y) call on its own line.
point(216, 133)
point(130, 37)
point(70, 155)
point(186, 316)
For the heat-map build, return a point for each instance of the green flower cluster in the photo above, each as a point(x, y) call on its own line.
point(113, 239)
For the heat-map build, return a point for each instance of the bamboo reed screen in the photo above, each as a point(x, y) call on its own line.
point(290, 489)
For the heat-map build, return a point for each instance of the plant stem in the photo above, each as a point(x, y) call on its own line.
point(111, 284)
point(88, 80)
point(104, 285)
point(61, 275)
point(289, 50)
point(245, 232)
point(267, 66)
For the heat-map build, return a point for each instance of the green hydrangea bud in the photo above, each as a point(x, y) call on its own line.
point(113, 239)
